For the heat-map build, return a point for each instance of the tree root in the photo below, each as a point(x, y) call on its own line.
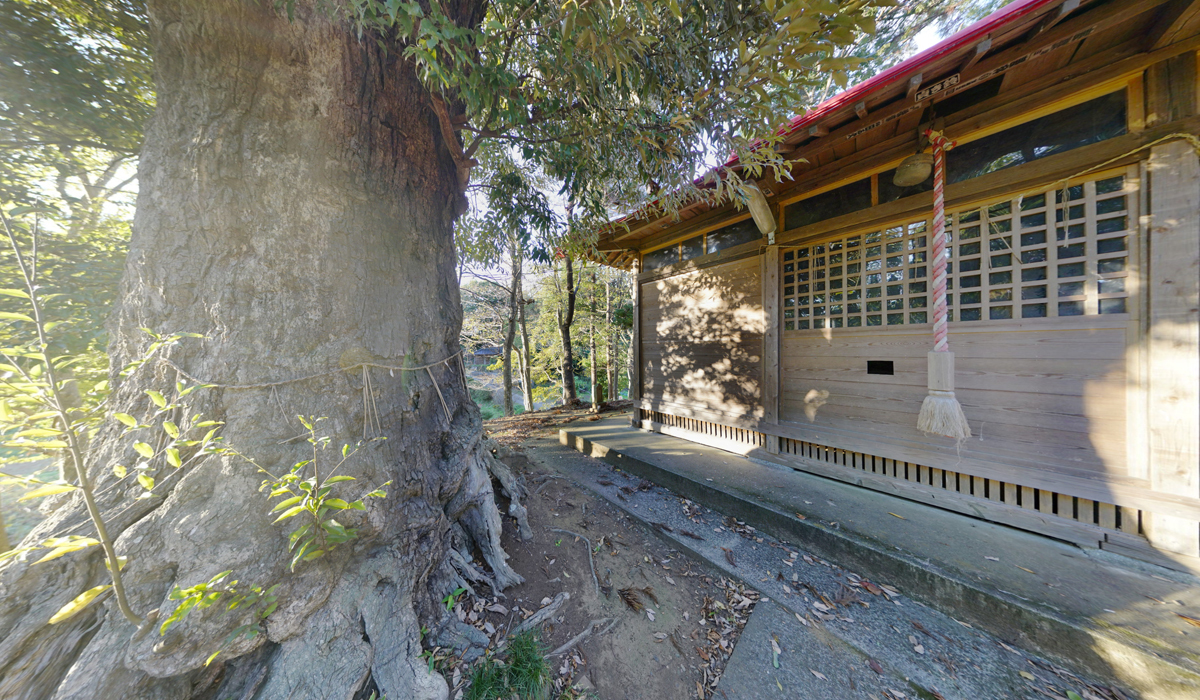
point(512, 488)
point(612, 622)
point(540, 616)
point(474, 507)
point(463, 566)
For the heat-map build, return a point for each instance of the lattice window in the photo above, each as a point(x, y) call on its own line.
point(869, 279)
point(1006, 265)
point(1003, 264)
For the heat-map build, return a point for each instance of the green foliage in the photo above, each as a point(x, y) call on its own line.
point(604, 96)
point(41, 414)
point(512, 212)
point(75, 91)
point(233, 596)
point(526, 674)
point(452, 598)
point(309, 494)
point(896, 29)
point(76, 74)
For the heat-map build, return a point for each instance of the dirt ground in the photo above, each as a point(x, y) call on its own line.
point(675, 646)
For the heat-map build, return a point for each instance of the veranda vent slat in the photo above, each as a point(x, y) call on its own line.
point(1103, 515)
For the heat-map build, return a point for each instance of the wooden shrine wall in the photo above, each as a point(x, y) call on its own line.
point(1043, 401)
point(701, 339)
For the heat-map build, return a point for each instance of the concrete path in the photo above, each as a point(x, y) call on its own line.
point(1098, 613)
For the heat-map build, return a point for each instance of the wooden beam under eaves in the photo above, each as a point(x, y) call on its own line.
point(980, 51)
point(914, 84)
point(654, 224)
point(818, 131)
point(1063, 10)
point(860, 108)
point(1177, 20)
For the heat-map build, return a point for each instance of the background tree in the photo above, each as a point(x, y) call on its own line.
point(514, 220)
point(298, 189)
point(74, 95)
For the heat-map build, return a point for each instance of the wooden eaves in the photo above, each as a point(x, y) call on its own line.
point(1034, 45)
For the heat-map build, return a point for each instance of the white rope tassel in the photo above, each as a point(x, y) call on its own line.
point(942, 415)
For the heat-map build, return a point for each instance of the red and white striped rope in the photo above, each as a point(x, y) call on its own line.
point(940, 144)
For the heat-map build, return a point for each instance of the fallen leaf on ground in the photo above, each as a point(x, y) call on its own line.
point(1189, 620)
point(1027, 675)
point(898, 516)
point(875, 666)
point(818, 674)
point(992, 558)
point(729, 557)
point(1024, 569)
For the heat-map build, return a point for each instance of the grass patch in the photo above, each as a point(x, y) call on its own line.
point(489, 680)
point(526, 672)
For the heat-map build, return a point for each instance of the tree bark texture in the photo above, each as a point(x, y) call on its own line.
point(565, 320)
point(296, 207)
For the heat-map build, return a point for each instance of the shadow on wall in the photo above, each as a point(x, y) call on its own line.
point(702, 339)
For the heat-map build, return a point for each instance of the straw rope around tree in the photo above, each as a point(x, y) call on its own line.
point(371, 413)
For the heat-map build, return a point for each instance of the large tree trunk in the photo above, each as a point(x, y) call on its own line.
point(296, 206)
point(570, 395)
